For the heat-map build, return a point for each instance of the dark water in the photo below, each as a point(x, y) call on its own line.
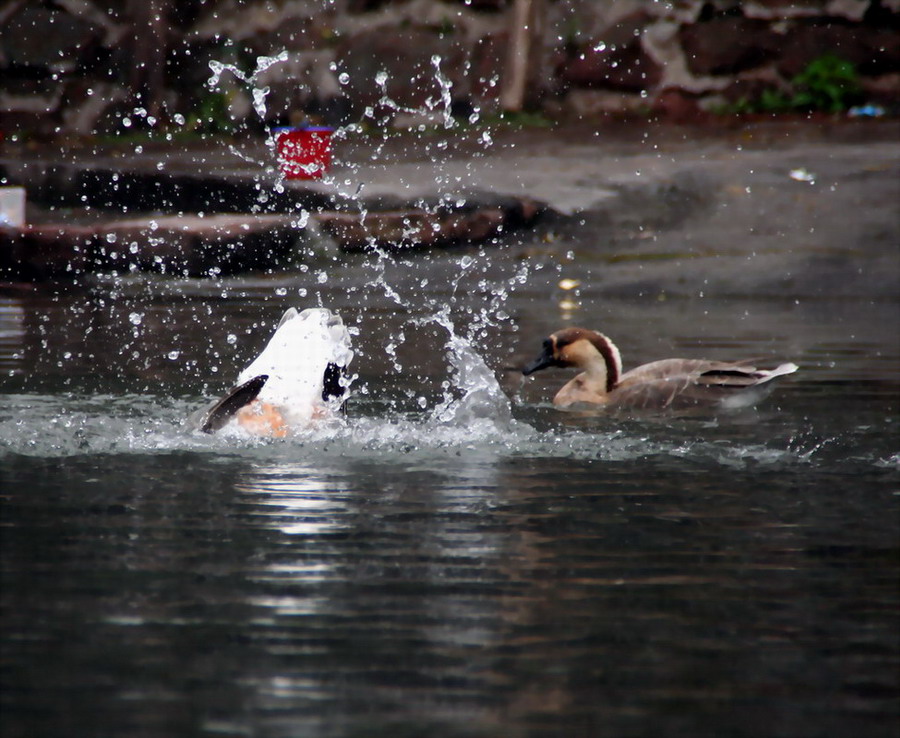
point(448, 562)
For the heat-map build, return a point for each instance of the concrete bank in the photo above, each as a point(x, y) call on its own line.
point(817, 200)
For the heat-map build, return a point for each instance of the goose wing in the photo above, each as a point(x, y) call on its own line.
point(672, 383)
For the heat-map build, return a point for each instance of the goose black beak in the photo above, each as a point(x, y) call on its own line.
point(541, 362)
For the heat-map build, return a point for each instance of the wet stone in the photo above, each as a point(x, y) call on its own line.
point(198, 246)
point(36, 253)
point(727, 45)
point(219, 244)
point(421, 228)
point(190, 245)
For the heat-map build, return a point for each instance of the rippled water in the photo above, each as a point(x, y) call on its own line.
point(456, 558)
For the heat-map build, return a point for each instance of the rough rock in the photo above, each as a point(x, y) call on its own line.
point(728, 45)
point(36, 253)
point(432, 53)
point(661, 41)
point(581, 104)
point(873, 51)
point(403, 59)
point(615, 60)
point(883, 90)
point(777, 9)
point(43, 37)
point(752, 84)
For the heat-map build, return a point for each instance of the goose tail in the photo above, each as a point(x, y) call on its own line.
point(757, 390)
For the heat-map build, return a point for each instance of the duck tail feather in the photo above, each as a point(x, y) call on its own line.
point(220, 413)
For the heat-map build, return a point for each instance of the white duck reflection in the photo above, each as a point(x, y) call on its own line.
point(296, 499)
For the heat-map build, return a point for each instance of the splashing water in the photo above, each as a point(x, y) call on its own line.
point(262, 64)
point(257, 94)
point(477, 424)
point(446, 98)
point(482, 399)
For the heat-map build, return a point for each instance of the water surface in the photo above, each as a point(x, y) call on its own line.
point(456, 558)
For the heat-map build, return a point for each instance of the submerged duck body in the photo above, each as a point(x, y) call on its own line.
point(659, 385)
point(298, 379)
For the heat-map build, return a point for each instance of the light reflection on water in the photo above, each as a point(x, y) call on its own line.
point(296, 499)
point(434, 570)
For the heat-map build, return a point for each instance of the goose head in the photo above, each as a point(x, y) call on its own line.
point(590, 351)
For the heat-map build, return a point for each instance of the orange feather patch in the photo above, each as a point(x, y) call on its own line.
point(262, 419)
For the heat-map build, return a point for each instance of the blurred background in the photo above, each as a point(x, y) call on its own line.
point(85, 67)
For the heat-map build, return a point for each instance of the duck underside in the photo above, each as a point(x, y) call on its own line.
point(245, 395)
point(297, 380)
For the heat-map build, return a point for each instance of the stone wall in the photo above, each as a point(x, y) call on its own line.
point(88, 67)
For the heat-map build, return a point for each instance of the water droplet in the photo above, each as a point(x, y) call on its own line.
point(135, 318)
point(172, 355)
point(343, 78)
point(802, 175)
point(231, 339)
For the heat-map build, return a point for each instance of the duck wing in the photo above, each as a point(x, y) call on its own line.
point(223, 410)
point(674, 383)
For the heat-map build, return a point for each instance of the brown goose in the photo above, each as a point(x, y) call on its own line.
point(668, 383)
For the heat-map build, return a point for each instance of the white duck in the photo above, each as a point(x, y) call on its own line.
point(298, 378)
point(659, 385)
